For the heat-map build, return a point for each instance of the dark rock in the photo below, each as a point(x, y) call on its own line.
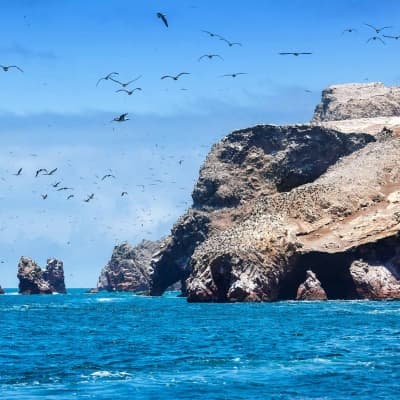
point(1, 290)
point(311, 289)
point(32, 280)
point(129, 268)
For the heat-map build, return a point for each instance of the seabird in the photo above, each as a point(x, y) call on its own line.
point(378, 30)
point(128, 92)
point(124, 85)
point(64, 188)
point(89, 198)
point(296, 54)
point(375, 38)
point(211, 34)
point(7, 67)
point(235, 74)
point(163, 18)
point(107, 77)
point(349, 30)
point(121, 118)
point(124, 194)
point(210, 56)
point(175, 78)
point(19, 172)
point(107, 176)
point(56, 184)
point(392, 37)
point(70, 196)
point(230, 44)
point(44, 196)
point(40, 171)
point(51, 172)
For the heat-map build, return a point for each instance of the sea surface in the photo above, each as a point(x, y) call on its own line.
point(122, 346)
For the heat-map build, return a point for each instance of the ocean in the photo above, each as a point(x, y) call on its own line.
point(122, 346)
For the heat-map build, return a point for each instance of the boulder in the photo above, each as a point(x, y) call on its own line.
point(311, 288)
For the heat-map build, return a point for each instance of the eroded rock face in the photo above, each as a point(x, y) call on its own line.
point(377, 282)
point(32, 280)
point(311, 289)
point(358, 100)
point(129, 268)
point(247, 165)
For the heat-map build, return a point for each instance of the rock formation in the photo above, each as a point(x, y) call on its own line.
point(33, 280)
point(275, 207)
point(1, 290)
point(129, 268)
point(311, 289)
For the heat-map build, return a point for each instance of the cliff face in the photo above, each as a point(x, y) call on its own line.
point(129, 268)
point(245, 166)
point(33, 280)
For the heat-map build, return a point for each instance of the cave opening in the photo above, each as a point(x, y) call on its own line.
point(221, 271)
point(332, 270)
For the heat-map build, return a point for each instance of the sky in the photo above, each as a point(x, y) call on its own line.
point(54, 116)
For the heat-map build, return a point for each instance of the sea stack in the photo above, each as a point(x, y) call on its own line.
point(33, 280)
point(1, 290)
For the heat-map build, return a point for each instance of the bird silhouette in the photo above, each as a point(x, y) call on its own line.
point(375, 38)
point(392, 37)
point(349, 30)
point(212, 34)
point(128, 92)
point(296, 54)
point(378, 30)
point(176, 77)
point(51, 172)
point(64, 188)
point(70, 196)
point(18, 172)
point(235, 74)
point(90, 197)
point(210, 56)
point(39, 171)
point(107, 176)
point(6, 68)
point(125, 84)
point(107, 77)
point(56, 184)
point(231, 44)
point(121, 118)
point(163, 18)
point(124, 194)
point(44, 196)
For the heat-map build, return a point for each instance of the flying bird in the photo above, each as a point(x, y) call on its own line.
point(128, 92)
point(180, 162)
point(121, 118)
point(392, 37)
point(51, 172)
point(210, 56)
point(349, 30)
point(19, 172)
point(64, 188)
point(7, 67)
point(176, 77)
point(44, 196)
point(124, 85)
point(70, 196)
point(211, 34)
point(163, 18)
point(124, 194)
point(89, 198)
point(107, 176)
point(296, 54)
point(378, 30)
point(56, 184)
point(107, 77)
point(39, 171)
point(235, 74)
point(374, 38)
point(231, 44)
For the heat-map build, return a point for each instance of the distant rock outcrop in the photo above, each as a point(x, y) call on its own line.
point(33, 280)
point(129, 268)
point(311, 289)
point(358, 100)
point(1, 290)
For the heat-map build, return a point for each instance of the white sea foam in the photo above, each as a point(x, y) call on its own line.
point(109, 374)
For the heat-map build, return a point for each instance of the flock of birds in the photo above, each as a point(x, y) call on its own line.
point(131, 87)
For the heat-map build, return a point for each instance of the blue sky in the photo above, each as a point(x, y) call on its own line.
point(53, 115)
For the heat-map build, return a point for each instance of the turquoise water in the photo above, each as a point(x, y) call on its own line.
point(121, 346)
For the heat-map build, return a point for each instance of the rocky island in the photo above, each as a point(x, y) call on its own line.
point(307, 212)
point(1, 290)
point(34, 280)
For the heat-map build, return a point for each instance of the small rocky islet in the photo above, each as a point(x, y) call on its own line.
point(306, 212)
